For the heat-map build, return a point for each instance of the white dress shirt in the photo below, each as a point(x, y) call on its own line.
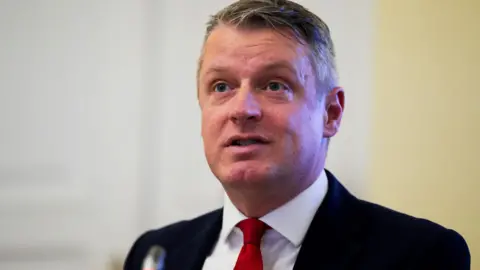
point(281, 244)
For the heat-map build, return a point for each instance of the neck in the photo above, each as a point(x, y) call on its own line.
point(258, 201)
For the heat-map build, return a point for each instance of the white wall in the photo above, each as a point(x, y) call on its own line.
point(71, 79)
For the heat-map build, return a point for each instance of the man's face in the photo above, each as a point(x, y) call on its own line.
point(261, 116)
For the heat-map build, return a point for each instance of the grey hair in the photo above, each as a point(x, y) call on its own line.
point(281, 15)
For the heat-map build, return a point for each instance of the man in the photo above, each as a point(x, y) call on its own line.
point(270, 102)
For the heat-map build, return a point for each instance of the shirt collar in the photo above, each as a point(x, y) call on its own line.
point(290, 220)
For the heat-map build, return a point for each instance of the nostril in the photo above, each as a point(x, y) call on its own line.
point(249, 110)
point(246, 115)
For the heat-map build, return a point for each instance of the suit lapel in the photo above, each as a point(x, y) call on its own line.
point(192, 255)
point(333, 240)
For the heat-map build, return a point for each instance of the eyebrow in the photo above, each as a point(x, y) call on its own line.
point(269, 66)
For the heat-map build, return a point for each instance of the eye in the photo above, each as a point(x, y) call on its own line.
point(276, 86)
point(221, 87)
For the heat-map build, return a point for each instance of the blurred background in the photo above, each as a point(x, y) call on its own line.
point(100, 132)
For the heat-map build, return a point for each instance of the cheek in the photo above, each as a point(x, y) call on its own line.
point(211, 126)
point(289, 121)
point(285, 126)
point(303, 127)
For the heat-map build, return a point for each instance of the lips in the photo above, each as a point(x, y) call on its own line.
point(246, 140)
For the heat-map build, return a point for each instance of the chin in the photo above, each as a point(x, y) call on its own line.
point(247, 173)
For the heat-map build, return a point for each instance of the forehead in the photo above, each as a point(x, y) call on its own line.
point(236, 48)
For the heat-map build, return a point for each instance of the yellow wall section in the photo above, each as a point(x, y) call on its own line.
point(426, 114)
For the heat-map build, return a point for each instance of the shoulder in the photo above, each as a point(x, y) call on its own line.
point(168, 237)
point(383, 219)
point(428, 244)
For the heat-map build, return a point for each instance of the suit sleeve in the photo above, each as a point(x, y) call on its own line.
point(137, 253)
point(449, 251)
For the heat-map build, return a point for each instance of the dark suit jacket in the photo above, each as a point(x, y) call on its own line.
point(346, 233)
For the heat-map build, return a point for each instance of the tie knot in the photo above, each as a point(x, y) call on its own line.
point(253, 230)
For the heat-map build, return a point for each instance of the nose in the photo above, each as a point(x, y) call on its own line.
point(245, 108)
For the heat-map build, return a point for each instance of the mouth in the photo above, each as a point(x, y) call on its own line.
point(242, 141)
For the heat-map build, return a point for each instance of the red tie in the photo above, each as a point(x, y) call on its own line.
point(250, 257)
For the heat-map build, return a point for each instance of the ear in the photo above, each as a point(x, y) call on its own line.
point(334, 106)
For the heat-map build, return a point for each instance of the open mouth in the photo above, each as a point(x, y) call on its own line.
point(247, 142)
